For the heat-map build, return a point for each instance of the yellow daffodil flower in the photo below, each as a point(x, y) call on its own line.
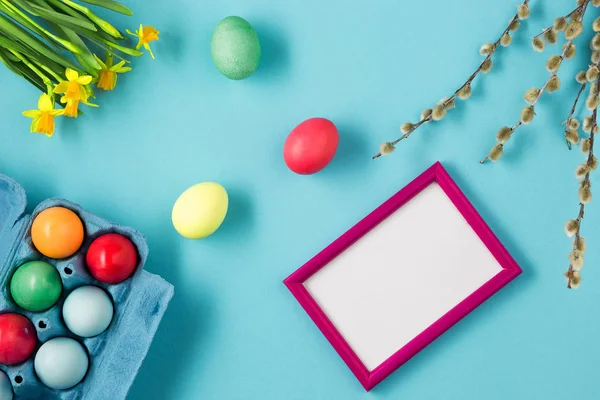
point(145, 35)
point(43, 118)
point(74, 91)
point(107, 78)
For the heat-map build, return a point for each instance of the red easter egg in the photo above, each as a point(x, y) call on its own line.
point(310, 146)
point(111, 258)
point(17, 339)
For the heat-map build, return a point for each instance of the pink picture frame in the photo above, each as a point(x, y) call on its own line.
point(509, 270)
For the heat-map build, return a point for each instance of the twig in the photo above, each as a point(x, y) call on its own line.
point(535, 101)
point(529, 111)
point(548, 29)
point(586, 183)
point(581, 89)
point(468, 82)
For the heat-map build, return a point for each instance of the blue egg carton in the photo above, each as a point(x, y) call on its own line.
point(139, 303)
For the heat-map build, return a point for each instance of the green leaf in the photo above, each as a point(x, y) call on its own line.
point(23, 21)
point(102, 24)
point(22, 70)
point(61, 19)
point(15, 13)
point(12, 30)
point(111, 5)
point(86, 57)
point(110, 45)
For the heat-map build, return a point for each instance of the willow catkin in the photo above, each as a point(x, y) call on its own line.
point(439, 112)
point(571, 227)
point(553, 63)
point(592, 73)
point(572, 136)
point(574, 29)
point(505, 40)
point(465, 92)
point(386, 148)
point(504, 134)
point(407, 127)
point(596, 25)
point(581, 77)
point(551, 36)
point(560, 24)
point(569, 50)
point(585, 146)
point(496, 152)
point(527, 114)
point(486, 49)
point(523, 11)
point(486, 66)
point(585, 195)
point(553, 84)
point(538, 44)
point(574, 123)
point(595, 43)
point(531, 95)
point(426, 113)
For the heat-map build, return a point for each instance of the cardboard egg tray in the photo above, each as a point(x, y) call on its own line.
point(139, 303)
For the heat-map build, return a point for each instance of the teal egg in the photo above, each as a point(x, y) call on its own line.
point(235, 48)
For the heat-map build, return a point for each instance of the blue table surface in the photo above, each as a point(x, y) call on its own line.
point(233, 331)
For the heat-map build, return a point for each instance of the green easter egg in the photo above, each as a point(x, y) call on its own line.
point(235, 48)
point(35, 286)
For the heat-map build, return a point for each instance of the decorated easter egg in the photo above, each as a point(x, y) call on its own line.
point(87, 311)
point(310, 146)
point(57, 232)
point(111, 258)
point(235, 48)
point(61, 363)
point(6, 392)
point(35, 286)
point(17, 339)
point(200, 210)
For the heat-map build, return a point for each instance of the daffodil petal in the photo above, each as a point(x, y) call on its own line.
point(61, 87)
point(56, 113)
point(34, 124)
point(117, 66)
point(84, 80)
point(45, 103)
point(100, 62)
point(123, 70)
point(71, 74)
point(31, 113)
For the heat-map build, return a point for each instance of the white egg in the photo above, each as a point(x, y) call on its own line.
point(61, 363)
point(88, 311)
point(6, 392)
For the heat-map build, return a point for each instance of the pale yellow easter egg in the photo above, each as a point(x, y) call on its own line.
point(200, 210)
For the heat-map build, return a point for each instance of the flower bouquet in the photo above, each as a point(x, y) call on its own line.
point(63, 48)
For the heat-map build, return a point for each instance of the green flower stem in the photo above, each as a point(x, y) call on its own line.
point(10, 9)
point(56, 76)
point(32, 67)
point(104, 25)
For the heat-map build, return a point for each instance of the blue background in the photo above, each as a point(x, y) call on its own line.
point(233, 331)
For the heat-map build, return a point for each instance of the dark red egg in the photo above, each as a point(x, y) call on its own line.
point(111, 258)
point(17, 339)
point(311, 146)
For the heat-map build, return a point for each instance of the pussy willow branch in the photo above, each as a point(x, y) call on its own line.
point(542, 90)
point(587, 182)
point(581, 9)
point(548, 29)
point(449, 100)
point(581, 89)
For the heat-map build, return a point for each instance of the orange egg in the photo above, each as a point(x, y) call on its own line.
point(57, 232)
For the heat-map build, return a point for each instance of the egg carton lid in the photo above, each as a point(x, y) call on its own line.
point(149, 296)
